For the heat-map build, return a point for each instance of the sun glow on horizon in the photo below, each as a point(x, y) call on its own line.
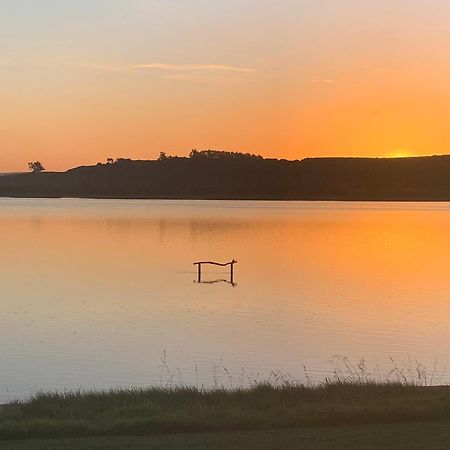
point(81, 92)
point(401, 153)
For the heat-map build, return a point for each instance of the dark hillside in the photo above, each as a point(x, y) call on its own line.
point(221, 175)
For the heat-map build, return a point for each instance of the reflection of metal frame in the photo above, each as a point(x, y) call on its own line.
point(216, 281)
point(231, 264)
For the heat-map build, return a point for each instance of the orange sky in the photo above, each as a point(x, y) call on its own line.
point(83, 80)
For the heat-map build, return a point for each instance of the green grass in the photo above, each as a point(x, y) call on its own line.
point(164, 412)
point(430, 436)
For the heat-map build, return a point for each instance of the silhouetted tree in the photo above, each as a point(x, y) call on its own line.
point(222, 155)
point(35, 167)
point(162, 156)
point(194, 154)
point(110, 161)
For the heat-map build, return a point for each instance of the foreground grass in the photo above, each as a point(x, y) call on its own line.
point(164, 412)
point(430, 436)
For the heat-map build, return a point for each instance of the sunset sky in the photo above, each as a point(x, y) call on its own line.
point(84, 80)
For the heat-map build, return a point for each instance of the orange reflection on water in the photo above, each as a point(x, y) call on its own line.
point(93, 292)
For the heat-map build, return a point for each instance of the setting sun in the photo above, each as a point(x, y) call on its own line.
point(401, 154)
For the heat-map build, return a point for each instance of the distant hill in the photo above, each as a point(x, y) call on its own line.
point(222, 175)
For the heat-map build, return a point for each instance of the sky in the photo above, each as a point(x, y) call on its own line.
point(85, 80)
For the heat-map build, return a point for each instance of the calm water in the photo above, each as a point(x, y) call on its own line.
point(94, 293)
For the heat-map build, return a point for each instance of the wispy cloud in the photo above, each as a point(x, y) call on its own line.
point(192, 67)
point(203, 73)
point(182, 72)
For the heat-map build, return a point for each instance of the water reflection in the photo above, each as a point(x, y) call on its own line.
point(93, 292)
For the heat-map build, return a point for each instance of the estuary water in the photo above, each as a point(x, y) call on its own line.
point(103, 293)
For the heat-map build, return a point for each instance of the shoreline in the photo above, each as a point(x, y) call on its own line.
point(230, 199)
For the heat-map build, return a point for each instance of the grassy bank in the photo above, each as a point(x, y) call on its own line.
point(163, 412)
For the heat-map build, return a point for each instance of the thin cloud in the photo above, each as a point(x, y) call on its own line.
point(200, 73)
point(192, 67)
